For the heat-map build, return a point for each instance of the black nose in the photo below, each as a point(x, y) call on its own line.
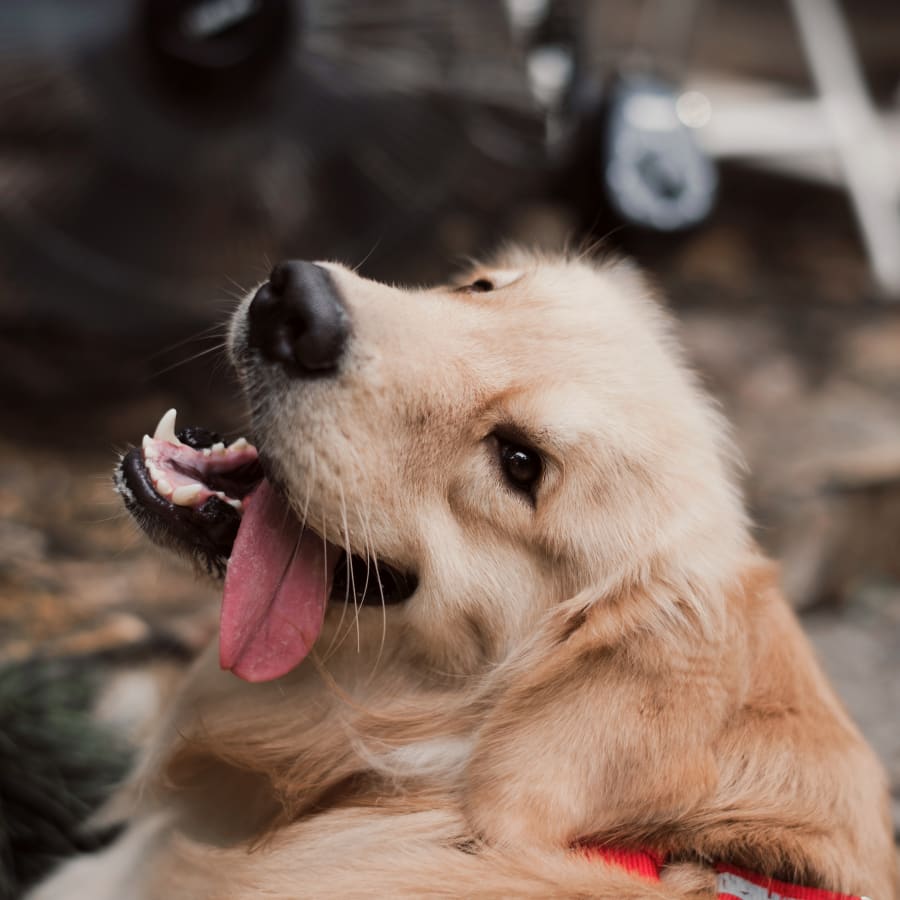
point(297, 319)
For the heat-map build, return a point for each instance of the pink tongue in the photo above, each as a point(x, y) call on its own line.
point(278, 580)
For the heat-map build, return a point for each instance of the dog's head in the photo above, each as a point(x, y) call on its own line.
point(514, 477)
point(471, 454)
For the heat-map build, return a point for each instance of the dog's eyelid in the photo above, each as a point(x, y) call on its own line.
point(502, 278)
point(510, 433)
point(488, 282)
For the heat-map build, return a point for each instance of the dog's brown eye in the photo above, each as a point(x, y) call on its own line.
point(521, 465)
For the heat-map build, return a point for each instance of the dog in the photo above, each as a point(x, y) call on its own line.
point(493, 621)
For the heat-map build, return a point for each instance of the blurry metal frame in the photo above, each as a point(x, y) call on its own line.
point(836, 137)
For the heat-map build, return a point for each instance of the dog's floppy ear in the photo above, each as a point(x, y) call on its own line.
point(599, 721)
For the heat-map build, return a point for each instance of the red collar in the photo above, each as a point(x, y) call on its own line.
point(731, 883)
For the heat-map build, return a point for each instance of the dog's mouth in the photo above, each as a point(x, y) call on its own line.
point(193, 490)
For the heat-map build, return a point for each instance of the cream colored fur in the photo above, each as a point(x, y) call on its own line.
point(613, 664)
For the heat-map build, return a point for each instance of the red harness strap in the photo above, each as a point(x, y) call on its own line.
point(731, 883)
point(639, 862)
point(736, 884)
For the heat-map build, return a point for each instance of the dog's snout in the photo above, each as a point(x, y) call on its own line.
point(297, 319)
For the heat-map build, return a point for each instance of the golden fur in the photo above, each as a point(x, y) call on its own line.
point(614, 664)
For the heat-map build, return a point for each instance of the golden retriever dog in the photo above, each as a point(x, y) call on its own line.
point(493, 623)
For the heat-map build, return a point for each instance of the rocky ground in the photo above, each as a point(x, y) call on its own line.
point(778, 314)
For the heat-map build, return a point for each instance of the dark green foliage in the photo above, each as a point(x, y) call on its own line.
point(56, 767)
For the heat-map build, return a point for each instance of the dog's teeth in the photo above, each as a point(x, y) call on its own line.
point(186, 494)
point(165, 431)
point(218, 447)
point(155, 473)
point(147, 443)
point(164, 487)
point(229, 500)
point(207, 451)
point(239, 444)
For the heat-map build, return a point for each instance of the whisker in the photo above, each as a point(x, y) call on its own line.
point(372, 559)
point(243, 291)
point(352, 580)
point(366, 550)
point(338, 638)
point(590, 246)
point(365, 259)
point(119, 514)
point(215, 349)
point(339, 633)
point(207, 333)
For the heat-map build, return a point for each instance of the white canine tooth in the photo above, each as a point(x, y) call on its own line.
point(186, 494)
point(165, 431)
point(207, 451)
point(147, 443)
point(239, 444)
point(235, 503)
point(218, 447)
point(164, 487)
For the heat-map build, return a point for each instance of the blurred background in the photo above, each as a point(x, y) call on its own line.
point(157, 156)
